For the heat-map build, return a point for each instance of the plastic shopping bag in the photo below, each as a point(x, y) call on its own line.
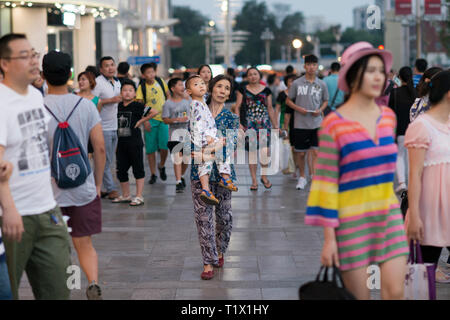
point(420, 277)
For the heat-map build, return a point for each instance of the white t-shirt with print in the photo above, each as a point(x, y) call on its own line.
point(24, 134)
point(105, 89)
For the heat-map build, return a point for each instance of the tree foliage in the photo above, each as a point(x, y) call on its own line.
point(192, 53)
point(254, 18)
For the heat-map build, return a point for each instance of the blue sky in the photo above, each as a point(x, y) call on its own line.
point(335, 11)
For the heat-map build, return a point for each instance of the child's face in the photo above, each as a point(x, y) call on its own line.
point(150, 74)
point(197, 87)
point(128, 93)
point(178, 88)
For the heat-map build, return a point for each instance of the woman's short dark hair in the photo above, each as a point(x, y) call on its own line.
point(423, 86)
point(90, 77)
point(213, 83)
point(355, 74)
point(203, 66)
point(439, 86)
point(253, 68)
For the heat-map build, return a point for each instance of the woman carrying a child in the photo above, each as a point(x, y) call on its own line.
point(214, 230)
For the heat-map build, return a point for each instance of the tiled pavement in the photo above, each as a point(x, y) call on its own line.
point(152, 252)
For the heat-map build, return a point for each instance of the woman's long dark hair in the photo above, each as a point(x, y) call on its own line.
point(214, 81)
point(423, 88)
point(406, 75)
point(202, 66)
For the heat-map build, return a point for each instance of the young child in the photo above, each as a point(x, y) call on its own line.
point(175, 113)
point(203, 131)
point(130, 116)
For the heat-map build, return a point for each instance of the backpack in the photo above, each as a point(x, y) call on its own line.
point(70, 165)
point(144, 88)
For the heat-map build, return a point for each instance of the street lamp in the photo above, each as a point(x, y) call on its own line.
point(207, 31)
point(267, 36)
point(297, 44)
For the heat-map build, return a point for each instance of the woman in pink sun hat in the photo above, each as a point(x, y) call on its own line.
point(352, 194)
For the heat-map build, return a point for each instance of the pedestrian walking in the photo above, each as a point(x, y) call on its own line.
point(400, 101)
point(420, 66)
point(130, 148)
point(284, 114)
point(176, 115)
point(153, 92)
point(352, 194)
point(422, 104)
point(214, 224)
point(108, 90)
point(35, 235)
point(336, 95)
point(428, 143)
point(81, 204)
point(311, 98)
point(254, 106)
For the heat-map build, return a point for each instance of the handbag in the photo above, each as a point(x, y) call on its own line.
point(420, 277)
point(322, 289)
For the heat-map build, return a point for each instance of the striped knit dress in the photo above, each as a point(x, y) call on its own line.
point(352, 191)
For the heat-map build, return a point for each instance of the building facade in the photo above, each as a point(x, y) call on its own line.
point(142, 28)
point(66, 25)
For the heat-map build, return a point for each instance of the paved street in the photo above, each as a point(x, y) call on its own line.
point(152, 252)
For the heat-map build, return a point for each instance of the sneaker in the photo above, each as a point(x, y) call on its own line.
point(179, 188)
point(153, 179)
point(301, 183)
point(162, 174)
point(401, 187)
point(93, 292)
point(183, 182)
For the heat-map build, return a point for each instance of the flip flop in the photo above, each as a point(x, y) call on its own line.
point(265, 185)
point(254, 188)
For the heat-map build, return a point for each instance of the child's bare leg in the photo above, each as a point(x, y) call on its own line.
point(204, 180)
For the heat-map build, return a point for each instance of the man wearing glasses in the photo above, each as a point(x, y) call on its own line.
point(35, 235)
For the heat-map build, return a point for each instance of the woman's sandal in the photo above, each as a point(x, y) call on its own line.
point(254, 188)
point(122, 199)
point(265, 184)
point(137, 201)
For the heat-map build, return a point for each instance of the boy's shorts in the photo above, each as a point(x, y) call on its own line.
point(157, 138)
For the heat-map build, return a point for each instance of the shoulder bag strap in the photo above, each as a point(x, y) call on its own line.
point(53, 115)
point(161, 84)
point(74, 109)
point(334, 98)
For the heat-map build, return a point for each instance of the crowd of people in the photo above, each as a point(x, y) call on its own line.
point(349, 135)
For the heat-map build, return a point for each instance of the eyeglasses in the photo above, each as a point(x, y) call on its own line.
point(28, 56)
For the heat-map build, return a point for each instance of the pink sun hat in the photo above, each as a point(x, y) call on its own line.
point(355, 52)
